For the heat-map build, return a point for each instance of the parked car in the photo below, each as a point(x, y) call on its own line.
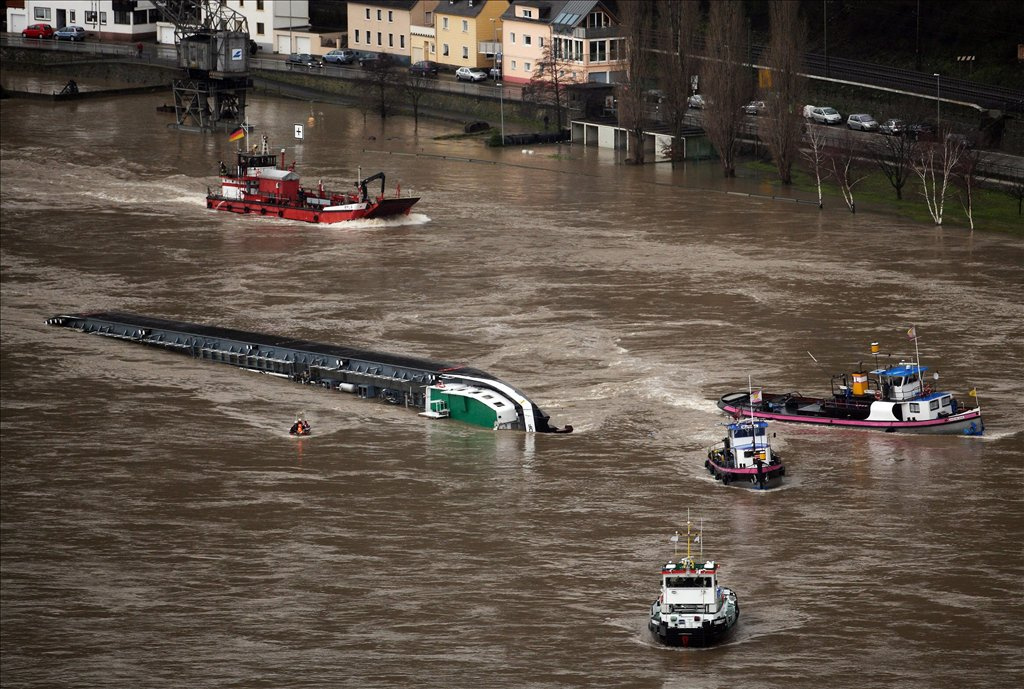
point(921, 131)
point(341, 57)
point(863, 122)
point(37, 31)
point(826, 115)
point(892, 127)
point(304, 59)
point(70, 33)
point(754, 107)
point(470, 74)
point(425, 68)
point(696, 101)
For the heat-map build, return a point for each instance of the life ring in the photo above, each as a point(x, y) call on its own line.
point(878, 395)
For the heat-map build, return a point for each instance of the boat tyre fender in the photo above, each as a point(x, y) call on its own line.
point(316, 218)
point(263, 211)
point(878, 395)
point(280, 213)
point(725, 479)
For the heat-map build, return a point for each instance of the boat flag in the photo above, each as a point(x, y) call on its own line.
point(755, 397)
point(973, 392)
point(675, 538)
point(912, 333)
point(237, 134)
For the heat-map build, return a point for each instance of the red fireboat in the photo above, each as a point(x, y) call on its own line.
point(261, 184)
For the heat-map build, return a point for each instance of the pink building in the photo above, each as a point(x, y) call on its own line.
point(581, 38)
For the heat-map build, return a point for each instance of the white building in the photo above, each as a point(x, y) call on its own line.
point(131, 21)
point(275, 25)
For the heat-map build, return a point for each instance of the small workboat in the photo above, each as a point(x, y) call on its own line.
point(300, 427)
point(261, 184)
point(891, 397)
point(693, 609)
point(745, 457)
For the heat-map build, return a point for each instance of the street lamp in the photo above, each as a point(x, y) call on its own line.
point(938, 113)
point(501, 97)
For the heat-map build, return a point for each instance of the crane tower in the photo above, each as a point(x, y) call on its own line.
point(213, 49)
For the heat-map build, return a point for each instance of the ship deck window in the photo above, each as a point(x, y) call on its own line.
point(915, 407)
point(933, 405)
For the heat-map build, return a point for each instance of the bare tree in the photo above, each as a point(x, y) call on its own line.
point(844, 162)
point(637, 22)
point(677, 30)
point(415, 87)
point(782, 124)
point(934, 166)
point(384, 82)
point(727, 79)
point(814, 156)
point(894, 157)
point(1015, 189)
point(553, 76)
point(966, 172)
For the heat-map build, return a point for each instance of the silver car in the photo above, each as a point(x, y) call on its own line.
point(825, 115)
point(470, 74)
point(863, 122)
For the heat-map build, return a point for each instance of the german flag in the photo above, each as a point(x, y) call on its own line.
point(237, 134)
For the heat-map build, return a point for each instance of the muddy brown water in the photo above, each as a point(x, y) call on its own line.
point(160, 528)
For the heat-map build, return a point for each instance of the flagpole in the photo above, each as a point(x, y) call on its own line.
point(917, 355)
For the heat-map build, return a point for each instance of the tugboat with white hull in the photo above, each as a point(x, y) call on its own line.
point(693, 609)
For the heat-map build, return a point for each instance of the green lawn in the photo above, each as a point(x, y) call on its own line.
point(994, 211)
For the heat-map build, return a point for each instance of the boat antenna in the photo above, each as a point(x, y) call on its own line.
point(700, 539)
point(912, 334)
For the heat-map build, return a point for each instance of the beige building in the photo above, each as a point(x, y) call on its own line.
point(400, 28)
point(581, 39)
point(468, 32)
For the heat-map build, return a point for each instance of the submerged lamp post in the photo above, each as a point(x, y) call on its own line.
point(501, 99)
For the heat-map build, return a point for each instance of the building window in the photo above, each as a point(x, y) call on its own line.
point(259, 4)
point(527, 40)
point(401, 41)
point(90, 17)
point(71, 16)
point(391, 40)
point(367, 12)
point(511, 38)
point(526, 66)
point(103, 18)
point(444, 49)
point(241, 3)
point(357, 33)
point(380, 38)
point(465, 26)
point(391, 16)
point(444, 23)
point(513, 65)
point(121, 18)
point(42, 13)
point(154, 16)
point(528, 14)
point(465, 52)
point(260, 29)
point(380, 14)
point(140, 17)
point(540, 41)
point(598, 51)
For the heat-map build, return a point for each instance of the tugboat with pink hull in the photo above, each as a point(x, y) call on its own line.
point(260, 184)
point(745, 457)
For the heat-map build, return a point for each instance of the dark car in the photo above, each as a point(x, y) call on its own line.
point(304, 59)
point(70, 33)
point(37, 31)
point(341, 57)
point(425, 68)
point(921, 131)
point(892, 127)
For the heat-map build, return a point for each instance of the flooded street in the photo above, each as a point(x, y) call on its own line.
point(160, 528)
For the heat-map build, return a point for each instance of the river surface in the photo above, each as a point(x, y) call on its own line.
point(160, 528)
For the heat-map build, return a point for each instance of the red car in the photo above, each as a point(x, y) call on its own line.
point(38, 31)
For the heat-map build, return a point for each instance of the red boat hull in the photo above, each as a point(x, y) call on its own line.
point(383, 208)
